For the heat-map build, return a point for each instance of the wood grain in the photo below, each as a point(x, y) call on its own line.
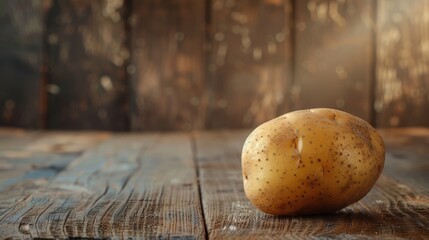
point(393, 209)
point(30, 160)
point(21, 47)
point(168, 65)
point(15, 161)
point(249, 62)
point(333, 55)
point(190, 64)
point(129, 186)
point(87, 58)
point(402, 90)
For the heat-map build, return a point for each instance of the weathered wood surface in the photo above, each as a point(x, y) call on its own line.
point(87, 59)
point(29, 160)
point(128, 186)
point(21, 49)
point(186, 186)
point(249, 62)
point(402, 91)
point(334, 55)
point(407, 155)
point(167, 68)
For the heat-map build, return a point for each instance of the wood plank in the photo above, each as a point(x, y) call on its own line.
point(67, 142)
point(393, 208)
point(16, 139)
point(167, 70)
point(33, 159)
point(13, 143)
point(250, 63)
point(22, 174)
point(402, 89)
point(21, 38)
point(407, 154)
point(129, 186)
point(87, 55)
point(334, 60)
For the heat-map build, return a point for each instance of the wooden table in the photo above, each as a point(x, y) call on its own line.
point(185, 186)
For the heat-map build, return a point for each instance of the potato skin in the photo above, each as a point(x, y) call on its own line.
point(310, 162)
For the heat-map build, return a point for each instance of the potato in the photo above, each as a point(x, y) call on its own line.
point(310, 162)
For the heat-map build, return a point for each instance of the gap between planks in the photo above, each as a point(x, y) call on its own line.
point(197, 172)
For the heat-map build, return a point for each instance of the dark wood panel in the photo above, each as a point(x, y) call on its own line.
point(87, 55)
point(402, 89)
point(167, 65)
point(333, 52)
point(395, 208)
point(249, 66)
point(128, 186)
point(21, 46)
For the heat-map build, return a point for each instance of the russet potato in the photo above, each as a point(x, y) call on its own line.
point(310, 162)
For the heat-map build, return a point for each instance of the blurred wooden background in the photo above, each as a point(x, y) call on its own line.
point(208, 64)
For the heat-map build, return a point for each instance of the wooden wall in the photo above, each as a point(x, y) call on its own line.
point(193, 64)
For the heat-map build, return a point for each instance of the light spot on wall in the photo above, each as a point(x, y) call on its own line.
point(257, 54)
point(341, 72)
point(219, 36)
point(106, 83)
point(179, 36)
point(52, 39)
point(280, 37)
point(53, 89)
point(394, 121)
